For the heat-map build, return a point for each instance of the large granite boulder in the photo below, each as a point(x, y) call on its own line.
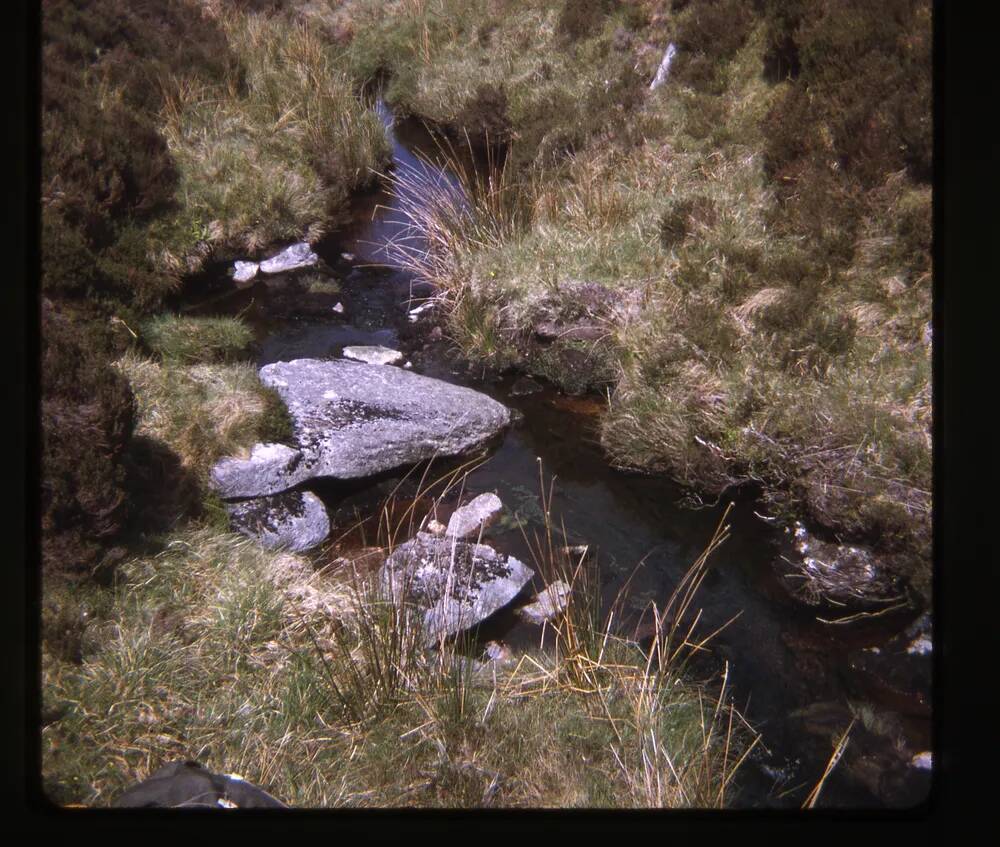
point(453, 583)
point(354, 420)
point(293, 520)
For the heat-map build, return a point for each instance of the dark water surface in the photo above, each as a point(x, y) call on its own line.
point(780, 658)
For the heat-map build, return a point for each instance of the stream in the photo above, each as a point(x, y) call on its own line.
point(791, 675)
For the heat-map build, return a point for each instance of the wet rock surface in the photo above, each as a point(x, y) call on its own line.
point(898, 674)
point(354, 420)
point(293, 520)
point(455, 584)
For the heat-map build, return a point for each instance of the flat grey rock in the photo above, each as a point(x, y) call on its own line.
point(354, 420)
point(467, 520)
point(373, 354)
point(293, 520)
point(291, 258)
point(454, 584)
point(548, 603)
point(270, 469)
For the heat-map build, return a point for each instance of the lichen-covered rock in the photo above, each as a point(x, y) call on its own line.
point(454, 584)
point(474, 516)
point(353, 420)
point(293, 520)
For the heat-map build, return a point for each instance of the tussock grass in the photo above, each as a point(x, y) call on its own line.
point(196, 340)
point(271, 159)
point(201, 412)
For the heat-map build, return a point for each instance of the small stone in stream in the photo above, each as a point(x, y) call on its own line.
point(523, 386)
point(455, 584)
point(373, 355)
point(339, 308)
point(245, 271)
point(436, 528)
point(297, 256)
point(347, 257)
point(548, 604)
point(923, 761)
point(474, 516)
point(294, 520)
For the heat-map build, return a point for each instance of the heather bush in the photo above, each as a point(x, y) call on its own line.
point(88, 413)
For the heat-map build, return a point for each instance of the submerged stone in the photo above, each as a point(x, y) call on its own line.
point(454, 584)
point(293, 520)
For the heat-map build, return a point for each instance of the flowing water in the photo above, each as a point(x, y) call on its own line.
point(780, 659)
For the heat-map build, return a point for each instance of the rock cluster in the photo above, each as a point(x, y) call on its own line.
point(351, 421)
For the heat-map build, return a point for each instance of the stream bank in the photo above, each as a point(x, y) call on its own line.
point(798, 680)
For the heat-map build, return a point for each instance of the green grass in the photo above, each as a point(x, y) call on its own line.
point(196, 340)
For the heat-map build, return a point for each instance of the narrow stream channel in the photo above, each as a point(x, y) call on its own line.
point(780, 658)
